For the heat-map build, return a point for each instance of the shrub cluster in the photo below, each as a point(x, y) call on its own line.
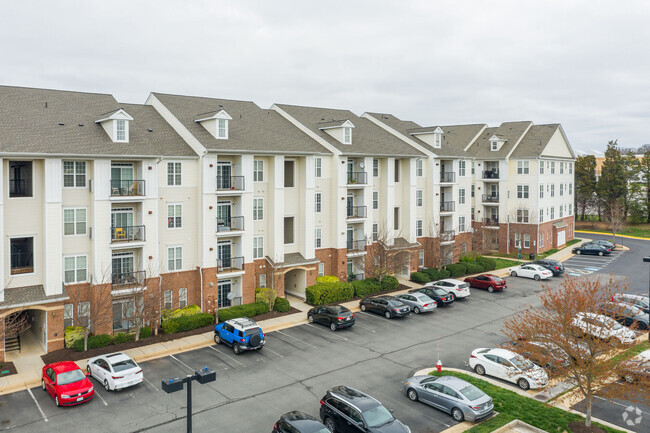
point(94, 342)
point(72, 334)
point(325, 293)
point(282, 305)
point(469, 264)
point(188, 310)
point(145, 332)
point(420, 277)
point(366, 287)
point(123, 337)
point(266, 295)
point(187, 323)
point(327, 279)
point(487, 263)
point(248, 310)
point(389, 283)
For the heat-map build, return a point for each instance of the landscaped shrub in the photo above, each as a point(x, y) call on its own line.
point(187, 323)
point(94, 342)
point(487, 263)
point(266, 295)
point(282, 305)
point(123, 337)
point(389, 283)
point(467, 259)
point(325, 293)
point(72, 334)
point(470, 256)
point(248, 310)
point(366, 287)
point(474, 268)
point(443, 273)
point(188, 310)
point(327, 279)
point(145, 332)
point(420, 277)
point(457, 269)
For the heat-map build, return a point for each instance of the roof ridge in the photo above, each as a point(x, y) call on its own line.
point(56, 90)
point(206, 97)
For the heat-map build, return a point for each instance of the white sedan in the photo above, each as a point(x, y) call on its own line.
point(509, 366)
point(115, 371)
point(457, 288)
point(531, 271)
point(603, 327)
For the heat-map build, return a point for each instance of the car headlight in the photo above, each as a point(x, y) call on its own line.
point(65, 396)
point(91, 388)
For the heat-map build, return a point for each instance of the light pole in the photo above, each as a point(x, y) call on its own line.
point(647, 260)
point(176, 384)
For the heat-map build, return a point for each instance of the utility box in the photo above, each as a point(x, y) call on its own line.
point(531, 256)
point(205, 375)
point(172, 385)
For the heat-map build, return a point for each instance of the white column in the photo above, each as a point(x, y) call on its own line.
point(340, 224)
point(307, 217)
point(367, 195)
point(101, 221)
point(275, 210)
point(52, 230)
point(149, 172)
point(409, 211)
point(390, 197)
point(3, 283)
point(247, 208)
point(207, 216)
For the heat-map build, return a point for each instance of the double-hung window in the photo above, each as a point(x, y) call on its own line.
point(418, 228)
point(552, 190)
point(258, 247)
point(174, 216)
point(318, 202)
point(375, 199)
point(76, 268)
point(461, 168)
point(74, 174)
point(258, 209)
point(318, 167)
point(523, 167)
point(74, 221)
point(173, 173)
point(258, 170)
point(461, 196)
point(168, 300)
point(182, 297)
point(461, 224)
point(222, 128)
point(541, 191)
point(419, 167)
point(522, 191)
point(418, 198)
point(375, 168)
point(318, 237)
point(174, 258)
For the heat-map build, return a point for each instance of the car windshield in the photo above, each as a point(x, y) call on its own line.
point(423, 298)
point(337, 309)
point(440, 292)
point(497, 279)
point(521, 363)
point(252, 331)
point(377, 416)
point(70, 377)
point(472, 393)
point(124, 365)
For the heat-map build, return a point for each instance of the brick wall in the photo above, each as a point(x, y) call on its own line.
point(55, 329)
point(2, 337)
point(335, 262)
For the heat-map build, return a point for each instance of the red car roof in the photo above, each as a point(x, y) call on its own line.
point(63, 366)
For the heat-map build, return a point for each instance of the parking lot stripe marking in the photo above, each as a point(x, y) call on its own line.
point(227, 356)
point(100, 397)
point(330, 333)
point(152, 385)
point(273, 352)
point(297, 339)
point(188, 367)
point(617, 403)
point(356, 324)
point(37, 405)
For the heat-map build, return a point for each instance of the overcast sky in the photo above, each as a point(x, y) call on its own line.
point(585, 64)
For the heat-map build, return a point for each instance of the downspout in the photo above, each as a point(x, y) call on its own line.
point(201, 279)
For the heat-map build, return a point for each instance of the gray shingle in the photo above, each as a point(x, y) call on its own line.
point(30, 295)
point(511, 131)
point(535, 141)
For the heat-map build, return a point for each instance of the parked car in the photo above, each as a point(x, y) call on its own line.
point(459, 289)
point(603, 327)
point(604, 243)
point(545, 354)
point(626, 314)
point(344, 409)
point(115, 371)
point(441, 296)
point(242, 334)
point(299, 422)
point(590, 248)
point(509, 366)
point(637, 368)
point(419, 302)
point(387, 305)
point(336, 316)
point(552, 265)
point(66, 383)
point(639, 301)
point(487, 281)
point(531, 271)
point(453, 395)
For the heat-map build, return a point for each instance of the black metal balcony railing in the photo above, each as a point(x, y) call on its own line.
point(356, 277)
point(230, 264)
point(125, 280)
point(491, 222)
point(359, 245)
point(233, 183)
point(128, 233)
point(230, 224)
point(19, 188)
point(357, 211)
point(447, 235)
point(447, 206)
point(448, 177)
point(491, 198)
point(359, 178)
point(491, 174)
point(127, 187)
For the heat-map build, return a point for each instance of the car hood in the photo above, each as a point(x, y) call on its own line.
point(624, 332)
point(537, 373)
point(74, 387)
point(393, 427)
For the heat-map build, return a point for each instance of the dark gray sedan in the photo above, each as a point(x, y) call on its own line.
point(450, 394)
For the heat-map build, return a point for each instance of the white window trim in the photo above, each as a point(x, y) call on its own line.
point(169, 247)
point(74, 174)
point(462, 198)
point(256, 246)
point(75, 256)
point(375, 193)
point(171, 300)
point(173, 163)
point(375, 160)
point(261, 199)
point(318, 235)
point(175, 216)
point(75, 209)
point(126, 130)
point(181, 297)
point(255, 171)
point(321, 269)
point(419, 201)
point(318, 167)
point(419, 229)
point(419, 167)
point(347, 135)
point(318, 202)
point(225, 137)
point(67, 316)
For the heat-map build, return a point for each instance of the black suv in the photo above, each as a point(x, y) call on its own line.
point(389, 306)
point(552, 265)
point(298, 422)
point(345, 409)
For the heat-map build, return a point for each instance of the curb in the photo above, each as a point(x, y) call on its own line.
point(609, 234)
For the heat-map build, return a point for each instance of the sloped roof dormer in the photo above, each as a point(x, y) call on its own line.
point(116, 125)
point(496, 141)
point(431, 135)
point(339, 129)
point(216, 123)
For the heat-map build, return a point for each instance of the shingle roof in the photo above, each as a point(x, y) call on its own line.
point(454, 138)
point(252, 129)
point(535, 140)
point(30, 296)
point(510, 131)
point(43, 121)
point(368, 139)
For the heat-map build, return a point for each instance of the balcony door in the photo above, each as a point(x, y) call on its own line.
point(122, 172)
point(122, 266)
point(122, 217)
point(350, 205)
point(494, 191)
point(224, 212)
point(224, 253)
point(350, 235)
point(223, 288)
point(224, 175)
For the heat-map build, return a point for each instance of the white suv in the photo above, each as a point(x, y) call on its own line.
point(457, 288)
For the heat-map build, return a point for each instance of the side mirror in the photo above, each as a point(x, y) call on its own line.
point(87, 374)
point(391, 410)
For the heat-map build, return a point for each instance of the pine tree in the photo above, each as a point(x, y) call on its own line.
point(585, 178)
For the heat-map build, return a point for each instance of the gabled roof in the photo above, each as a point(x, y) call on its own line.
point(118, 114)
point(535, 141)
point(336, 124)
point(43, 121)
point(368, 139)
point(216, 114)
point(252, 129)
point(511, 132)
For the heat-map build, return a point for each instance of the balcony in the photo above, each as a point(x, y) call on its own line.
point(447, 206)
point(127, 234)
point(491, 222)
point(128, 280)
point(357, 178)
point(230, 183)
point(127, 188)
point(231, 264)
point(491, 198)
point(447, 236)
point(230, 224)
point(357, 212)
point(491, 175)
point(447, 177)
point(357, 246)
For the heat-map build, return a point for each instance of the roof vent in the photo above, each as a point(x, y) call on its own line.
point(81, 124)
point(46, 105)
point(150, 130)
point(61, 123)
point(220, 105)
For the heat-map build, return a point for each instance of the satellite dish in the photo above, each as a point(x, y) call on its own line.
point(230, 296)
point(361, 165)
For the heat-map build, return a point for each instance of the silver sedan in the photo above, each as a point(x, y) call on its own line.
point(419, 302)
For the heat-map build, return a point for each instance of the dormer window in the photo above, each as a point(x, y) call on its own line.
point(347, 135)
point(495, 145)
point(120, 130)
point(116, 125)
point(437, 140)
point(216, 123)
point(222, 128)
point(496, 142)
point(341, 130)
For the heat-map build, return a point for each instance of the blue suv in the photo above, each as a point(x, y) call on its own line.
point(242, 334)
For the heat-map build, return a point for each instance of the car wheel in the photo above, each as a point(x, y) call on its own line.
point(310, 318)
point(333, 326)
point(458, 414)
point(43, 384)
point(387, 314)
point(329, 423)
point(106, 387)
point(490, 289)
point(523, 384)
point(363, 307)
point(537, 277)
point(412, 395)
point(217, 338)
point(513, 273)
point(236, 349)
point(479, 369)
point(416, 310)
point(453, 297)
point(88, 369)
point(642, 326)
point(600, 253)
point(578, 252)
point(56, 401)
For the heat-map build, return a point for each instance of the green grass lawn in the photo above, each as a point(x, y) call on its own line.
point(511, 405)
point(515, 254)
point(505, 263)
point(639, 230)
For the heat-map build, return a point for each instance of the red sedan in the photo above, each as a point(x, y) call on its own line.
point(487, 281)
point(66, 383)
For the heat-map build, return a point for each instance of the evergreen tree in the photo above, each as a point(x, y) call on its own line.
point(585, 178)
point(644, 170)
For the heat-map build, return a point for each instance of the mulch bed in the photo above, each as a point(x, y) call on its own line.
point(400, 288)
point(579, 427)
point(72, 355)
point(7, 366)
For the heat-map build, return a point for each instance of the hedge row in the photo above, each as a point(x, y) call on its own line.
point(94, 342)
point(187, 323)
point(187, 310)
point(248, 310)
point(101, 340)
point(469, 265)
point(327, 293)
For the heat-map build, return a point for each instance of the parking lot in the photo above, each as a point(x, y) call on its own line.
point(587, 264)
point(293, 372)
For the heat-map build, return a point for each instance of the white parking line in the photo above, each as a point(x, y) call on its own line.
point(266, 349)
point(331, 333)
point(617, 403)
point(356, 324)
point(188, 367)
point(152, 385)
point(100, 397)
point(229, 357)
point(37, 405)
point(297, 339)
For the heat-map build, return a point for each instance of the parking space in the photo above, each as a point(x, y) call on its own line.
point(632, 415)
point(587, 264)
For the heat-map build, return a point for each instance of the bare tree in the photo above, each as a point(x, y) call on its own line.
point(548, 335)
point(143, 300)
point(616, 216)
point(387, 257)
